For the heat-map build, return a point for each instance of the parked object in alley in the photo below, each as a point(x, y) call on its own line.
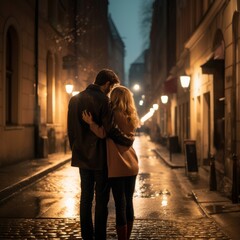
point(213, 179)
point(235, 187)
point(191, 156)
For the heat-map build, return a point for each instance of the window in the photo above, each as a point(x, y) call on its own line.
point(11, 80)
point(50, 88)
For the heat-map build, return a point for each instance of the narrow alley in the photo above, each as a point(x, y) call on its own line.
point(164, 205)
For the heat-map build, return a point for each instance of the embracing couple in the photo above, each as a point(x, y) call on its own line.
point(101, 133)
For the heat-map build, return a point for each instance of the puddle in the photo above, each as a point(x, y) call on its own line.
point(222, 208)
point(145, 189)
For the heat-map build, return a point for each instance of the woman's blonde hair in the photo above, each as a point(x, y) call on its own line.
point(122, 100)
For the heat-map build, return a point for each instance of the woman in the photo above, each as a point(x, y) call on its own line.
point(122, 160)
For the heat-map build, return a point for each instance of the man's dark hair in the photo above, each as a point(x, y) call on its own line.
point(106, 75)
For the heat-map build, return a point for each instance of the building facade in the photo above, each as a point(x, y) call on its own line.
point(116, 50)
point(162, 56)
point(31, 77)
point(45, 45)
point(207, 50)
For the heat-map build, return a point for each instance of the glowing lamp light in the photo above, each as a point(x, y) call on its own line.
point(155, 106)
point(147, 116)
point(164, 99)
point(75, 93)
point(136, 87)
point(69, 88)
point(185, 81)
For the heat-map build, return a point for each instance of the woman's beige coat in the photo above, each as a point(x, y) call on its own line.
point(122, 161)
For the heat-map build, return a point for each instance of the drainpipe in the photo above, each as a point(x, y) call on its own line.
point(37, 108)
point(235, 186)
point(233, 107)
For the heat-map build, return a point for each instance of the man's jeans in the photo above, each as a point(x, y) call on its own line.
point(94, 180)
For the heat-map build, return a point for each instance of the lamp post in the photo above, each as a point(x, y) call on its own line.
point(164, 100)
point(69, 91)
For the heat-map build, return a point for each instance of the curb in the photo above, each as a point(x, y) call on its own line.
point(11, 190)
point(195, 198)
point(170, 164)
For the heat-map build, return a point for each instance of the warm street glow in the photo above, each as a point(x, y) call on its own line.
point(164, 99)
point(150, 113)
point(147, 116)
point(164, 202)
point(155, 106)
point(75, 93)
point(69, 88)
point(70, 205)
point(185, 81)
point(136, 87)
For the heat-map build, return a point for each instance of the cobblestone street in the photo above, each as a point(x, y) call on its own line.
point(163, 203)
point(202, 228)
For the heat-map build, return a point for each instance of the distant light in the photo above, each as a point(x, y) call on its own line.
point(69, 88)
point(141, 102)
point(164, 202)
point(147, 116)
point(136, 87)
point(164, 99)
point(152, 110)
point(155, 106)
point(75, 93)
point(185, 81)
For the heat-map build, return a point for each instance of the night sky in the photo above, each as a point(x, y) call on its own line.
point(126, 15)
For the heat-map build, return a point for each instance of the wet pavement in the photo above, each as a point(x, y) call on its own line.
point(68, 228)
point(164, 205)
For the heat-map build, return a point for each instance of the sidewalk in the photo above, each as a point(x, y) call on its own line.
point(17, 176)
point(212, 203)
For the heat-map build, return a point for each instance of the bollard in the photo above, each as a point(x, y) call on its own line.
point(170, 152)
point(213, 179)
point(65, 143)
point(235, 190)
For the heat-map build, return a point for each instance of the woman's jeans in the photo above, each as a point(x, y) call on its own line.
point(123, 190)
point(94, 181)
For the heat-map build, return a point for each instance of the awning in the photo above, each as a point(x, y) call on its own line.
point(211, 65)
point(170, 85)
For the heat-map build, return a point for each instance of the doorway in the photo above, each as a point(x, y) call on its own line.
point(206, 129)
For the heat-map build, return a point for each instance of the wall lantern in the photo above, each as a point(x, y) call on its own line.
point(185, 81)
point(164, 99)
point(69, 88)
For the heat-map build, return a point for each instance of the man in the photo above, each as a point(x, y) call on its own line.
point(89, 151)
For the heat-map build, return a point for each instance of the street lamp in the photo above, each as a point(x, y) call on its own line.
point(155, 106)
point(185, 81)
point(69, 88)
point(136, 87)
point(164, 99)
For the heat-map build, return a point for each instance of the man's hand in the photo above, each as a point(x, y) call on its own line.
point(87, 117)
